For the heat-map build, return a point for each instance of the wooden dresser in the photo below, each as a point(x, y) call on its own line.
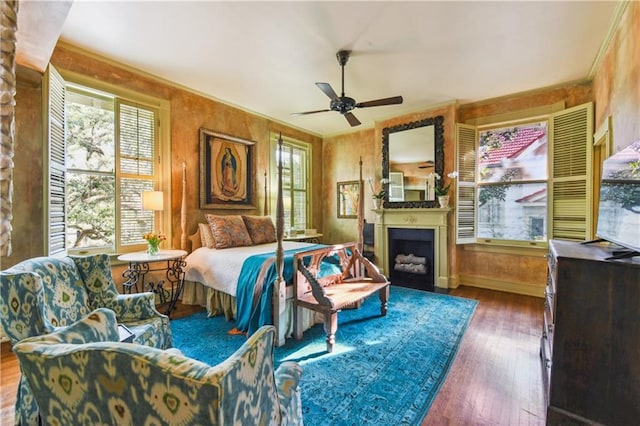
point(590, 346)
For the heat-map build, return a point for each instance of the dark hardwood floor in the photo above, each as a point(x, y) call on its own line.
point(496, 378)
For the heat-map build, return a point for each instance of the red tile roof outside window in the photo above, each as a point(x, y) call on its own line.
point(511, 149)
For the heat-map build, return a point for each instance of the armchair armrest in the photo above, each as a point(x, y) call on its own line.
point(99, 326)
point(288, 376)
point(136, 306)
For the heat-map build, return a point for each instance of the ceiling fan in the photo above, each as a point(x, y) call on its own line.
point(344, 104)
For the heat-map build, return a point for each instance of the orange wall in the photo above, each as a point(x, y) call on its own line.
point(189, 112)
point(28, 230)
point(616, 85)
point(340, 162)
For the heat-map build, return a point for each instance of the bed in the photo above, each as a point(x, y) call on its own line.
point(213, 276)
point(213, 270)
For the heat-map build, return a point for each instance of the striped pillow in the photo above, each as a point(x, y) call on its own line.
point(206, 235)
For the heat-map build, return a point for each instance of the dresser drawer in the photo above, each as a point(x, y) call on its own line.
point(552, 275)
point(545, 360)
point(547, 331)
point(550, 304)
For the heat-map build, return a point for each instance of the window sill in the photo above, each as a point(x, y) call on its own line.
point(510, 247)
point(113, 257)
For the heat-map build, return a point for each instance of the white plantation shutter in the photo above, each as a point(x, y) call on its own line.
point(572, 131)
point(56, 208)
point(137, 141)
point(299, 186)
point(296, 183)
point(466, 137)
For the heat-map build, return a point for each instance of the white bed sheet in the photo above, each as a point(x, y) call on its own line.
point(220, 268)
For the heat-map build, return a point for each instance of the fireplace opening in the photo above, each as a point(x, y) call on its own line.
point(411, 253)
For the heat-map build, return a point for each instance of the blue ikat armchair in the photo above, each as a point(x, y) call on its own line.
point(127, 384)
point(41, 295)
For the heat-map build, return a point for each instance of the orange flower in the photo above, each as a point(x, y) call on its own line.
point(155, 237)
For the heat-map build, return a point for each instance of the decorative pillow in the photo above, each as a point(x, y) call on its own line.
point(229, 231)
point(261, 229)
point(206, 236)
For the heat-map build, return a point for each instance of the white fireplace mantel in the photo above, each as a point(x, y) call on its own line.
point(427, 218)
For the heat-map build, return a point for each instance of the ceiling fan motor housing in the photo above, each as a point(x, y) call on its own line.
point(343, 104)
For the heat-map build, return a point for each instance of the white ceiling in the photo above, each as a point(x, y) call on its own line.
point(266, 56)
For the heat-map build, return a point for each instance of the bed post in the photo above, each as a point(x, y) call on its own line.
point(360, 210)
point(183, 208)
point(279, 288)
point(266, 196)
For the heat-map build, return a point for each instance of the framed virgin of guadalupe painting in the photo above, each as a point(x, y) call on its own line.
point(227, 171)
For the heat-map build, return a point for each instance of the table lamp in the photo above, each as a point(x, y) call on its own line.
point(153, 200)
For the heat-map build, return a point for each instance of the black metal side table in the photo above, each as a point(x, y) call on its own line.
point(139, 267)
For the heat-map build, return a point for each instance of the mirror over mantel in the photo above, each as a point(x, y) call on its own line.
point(411, 153)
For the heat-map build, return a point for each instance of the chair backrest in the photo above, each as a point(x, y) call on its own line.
point(21, 305)
point(65, 296)
point(121, 383)
point(95, 271)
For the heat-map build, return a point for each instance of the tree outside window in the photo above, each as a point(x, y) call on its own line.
point(109, 157)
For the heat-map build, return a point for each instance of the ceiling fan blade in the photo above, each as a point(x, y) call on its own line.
point(352, 119)
point(327, 90)
point(310, 112)
point(426, 164)
point(380, 102)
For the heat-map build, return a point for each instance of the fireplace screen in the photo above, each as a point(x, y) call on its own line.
point(411, 256)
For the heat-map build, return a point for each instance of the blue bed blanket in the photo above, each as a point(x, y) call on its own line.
point(254, 293)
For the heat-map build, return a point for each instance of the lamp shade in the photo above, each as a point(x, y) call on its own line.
point(152, 200)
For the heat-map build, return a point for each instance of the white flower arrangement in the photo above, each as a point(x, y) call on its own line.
point(445, 190)
point(379, 195)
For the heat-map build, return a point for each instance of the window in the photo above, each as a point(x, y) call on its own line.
point(396, 186)
point(296, 160)
point(525, 182)
point(512, 180)
point(104, 152)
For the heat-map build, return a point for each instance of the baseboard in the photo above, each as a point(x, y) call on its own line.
point(501, 285)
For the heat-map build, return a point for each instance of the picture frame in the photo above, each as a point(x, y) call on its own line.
point(227, 171)
point(348, 199)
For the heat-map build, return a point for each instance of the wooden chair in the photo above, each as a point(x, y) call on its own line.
point(328, 279)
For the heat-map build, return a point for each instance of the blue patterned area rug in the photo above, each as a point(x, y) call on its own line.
point(382, 371)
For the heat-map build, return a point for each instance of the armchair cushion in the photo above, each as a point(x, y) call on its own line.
point(120, 383)
point(100, 325)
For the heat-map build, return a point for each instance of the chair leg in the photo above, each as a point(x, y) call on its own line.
point(330, 327)
point(383, 294)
